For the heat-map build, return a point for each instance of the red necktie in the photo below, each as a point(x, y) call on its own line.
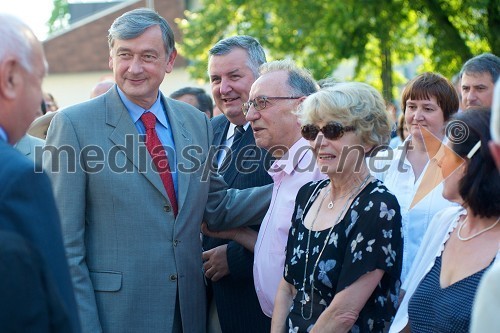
point(159, 157)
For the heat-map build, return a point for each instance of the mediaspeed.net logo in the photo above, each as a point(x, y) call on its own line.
point(456, 132)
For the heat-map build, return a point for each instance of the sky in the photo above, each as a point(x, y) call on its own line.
point(35, 13)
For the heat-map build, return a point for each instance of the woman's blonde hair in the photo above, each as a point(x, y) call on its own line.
point(351, 104)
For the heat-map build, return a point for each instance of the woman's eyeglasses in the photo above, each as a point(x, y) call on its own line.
point(332, 131)
point(260, 103)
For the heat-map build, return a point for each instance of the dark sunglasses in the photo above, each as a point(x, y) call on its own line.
point(331, 131)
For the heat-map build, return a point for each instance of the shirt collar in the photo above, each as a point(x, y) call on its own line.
point(230, 130)
point(3, 135)
point(136, 111)
point(292, 158)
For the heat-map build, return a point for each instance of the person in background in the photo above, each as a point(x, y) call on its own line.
point(27, 146)
point(344, 249)
point(35, 285)
point(131, 226)
point(402, 133)
point(478, 76)
point(392, 111)
point(462, 242)
point(196, 97)
point(457, 83)
point(50, 102)
point(411, 171)
point(101, 87)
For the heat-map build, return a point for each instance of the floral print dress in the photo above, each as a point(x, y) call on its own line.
point(369, 237)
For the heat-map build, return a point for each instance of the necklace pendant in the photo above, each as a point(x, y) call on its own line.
point(330, 205)
point(305, 299)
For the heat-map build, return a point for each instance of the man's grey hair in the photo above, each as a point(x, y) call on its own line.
point(300, 81)
point(15, 40)
point(495, 114)
point(256, 55)
point(132, 24)
point(483, 63)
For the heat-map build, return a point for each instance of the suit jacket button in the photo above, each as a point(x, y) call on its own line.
point(173, 277)
point(167, 208)
point(176, 242)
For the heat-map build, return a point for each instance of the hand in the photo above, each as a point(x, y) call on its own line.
point(223, 234)
point(215, 263)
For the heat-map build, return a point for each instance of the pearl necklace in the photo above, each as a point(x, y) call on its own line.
point(477, 233)
point(305, 297)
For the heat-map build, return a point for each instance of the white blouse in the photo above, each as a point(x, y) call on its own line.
point(394, 169)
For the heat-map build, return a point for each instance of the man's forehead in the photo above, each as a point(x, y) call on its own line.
point(268, 85)
point(483, 77)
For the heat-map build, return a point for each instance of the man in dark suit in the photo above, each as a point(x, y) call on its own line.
point(35, 288)
point(233, 66)
point(134, 189)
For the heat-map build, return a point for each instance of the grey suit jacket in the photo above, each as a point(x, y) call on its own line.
point(129, 257)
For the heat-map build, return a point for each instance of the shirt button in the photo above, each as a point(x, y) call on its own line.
point(173, 277)
point(167, 208)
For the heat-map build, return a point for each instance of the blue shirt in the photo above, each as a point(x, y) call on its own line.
point(3, 135)
point(162, 128)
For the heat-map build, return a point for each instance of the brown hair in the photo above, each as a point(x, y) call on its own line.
point(432, 84)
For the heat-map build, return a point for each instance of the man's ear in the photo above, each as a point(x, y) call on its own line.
point(171, 60)
point(110, 61)
point(10, 77)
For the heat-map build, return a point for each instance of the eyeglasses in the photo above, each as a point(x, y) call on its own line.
point(260, 103)
point(332, 131)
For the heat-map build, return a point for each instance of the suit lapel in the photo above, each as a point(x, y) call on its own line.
point(220, 132)
point(124, 135)
point(232, 170)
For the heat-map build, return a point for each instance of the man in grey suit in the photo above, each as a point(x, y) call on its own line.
point(131, 228)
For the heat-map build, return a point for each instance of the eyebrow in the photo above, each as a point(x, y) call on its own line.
point(234, 71)
point(121, 48)
point(424, 104)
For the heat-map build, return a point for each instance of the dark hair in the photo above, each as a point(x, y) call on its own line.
point(401, 127)
point(432, 84)
point(205, 103)
point(483, 63)
point(481, 183)
point(133, 24)
point(256, 55)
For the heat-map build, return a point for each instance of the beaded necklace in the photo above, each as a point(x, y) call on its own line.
point(305, 297)
point(477, 233)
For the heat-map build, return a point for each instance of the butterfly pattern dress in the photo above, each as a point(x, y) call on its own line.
point(369, 237)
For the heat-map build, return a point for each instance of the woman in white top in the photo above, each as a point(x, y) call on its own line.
point(461, 242)
point(410, 171)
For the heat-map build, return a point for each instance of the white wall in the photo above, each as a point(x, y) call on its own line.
point(70, 89)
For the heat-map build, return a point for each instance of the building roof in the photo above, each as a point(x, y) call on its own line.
point(83, 47)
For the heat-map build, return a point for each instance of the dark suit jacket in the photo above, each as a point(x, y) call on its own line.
point(30, 302)
point(236, 300)
point(27, 208)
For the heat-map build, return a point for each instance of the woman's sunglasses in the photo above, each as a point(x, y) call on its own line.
point(331, 131)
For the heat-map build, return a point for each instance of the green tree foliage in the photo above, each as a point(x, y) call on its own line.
point(59, 18)
point(379, 35)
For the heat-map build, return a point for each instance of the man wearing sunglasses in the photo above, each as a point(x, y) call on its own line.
point(273, 100)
